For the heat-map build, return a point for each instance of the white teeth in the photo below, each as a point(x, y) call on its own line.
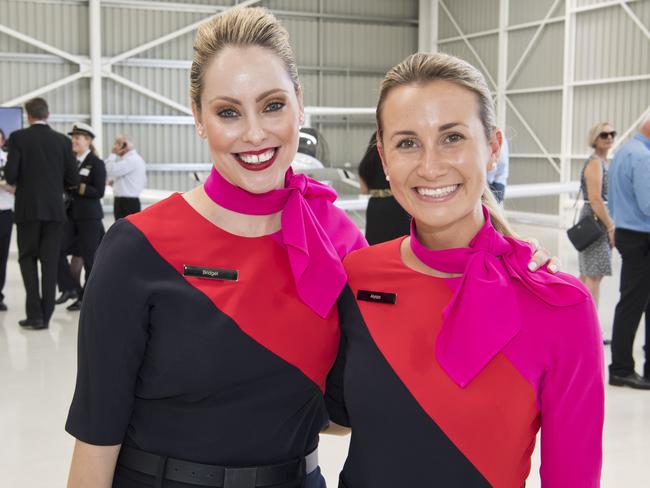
point(436, 192)
point(257, 158)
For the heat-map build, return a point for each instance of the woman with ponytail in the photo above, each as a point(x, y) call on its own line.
point(453, 355)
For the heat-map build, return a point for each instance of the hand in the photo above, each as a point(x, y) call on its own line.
point(541, 258)
point(82, 188)
point(610, 237)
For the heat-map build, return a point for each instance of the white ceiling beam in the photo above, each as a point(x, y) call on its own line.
point(168, 37)
point(469, 44)
point(41, 45)
point(631, 128)
point(149, 93)
point(45, 88)
point(534, 136)
point(522, 58)
point(635, 19)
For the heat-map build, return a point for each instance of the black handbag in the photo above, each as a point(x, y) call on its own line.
point(587, 231)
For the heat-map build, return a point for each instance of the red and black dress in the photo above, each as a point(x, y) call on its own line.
point(224, 370)
point(414, 426)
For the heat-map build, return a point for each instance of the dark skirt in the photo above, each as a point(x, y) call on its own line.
point(385, 220)
point(126, 478)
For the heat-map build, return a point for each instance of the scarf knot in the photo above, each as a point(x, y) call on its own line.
point(470, 335)
point(311, 232)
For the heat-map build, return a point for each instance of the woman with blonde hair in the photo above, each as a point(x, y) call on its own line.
point(209, 323)
point(596, 261)
point(452, 354)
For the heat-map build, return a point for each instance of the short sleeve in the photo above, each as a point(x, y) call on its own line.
point(113, 331)
point(572, 403)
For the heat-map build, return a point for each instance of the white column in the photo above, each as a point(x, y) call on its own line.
point(502, 75)
point(567, 109)
point(428, 26)
point(94, 28)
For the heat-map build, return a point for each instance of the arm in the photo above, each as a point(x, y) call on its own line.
point(113, 334)
point(594, 183)
point(92, 465)
point(335, 429)
point(572, 401)
point(334, 392)
point(116, 169)
point(6, 187)
point(70, 175)
point(641, 182)
point(12, 168)
point(363, 187)
point(96, 187)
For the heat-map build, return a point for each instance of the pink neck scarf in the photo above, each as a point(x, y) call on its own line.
point(483, 315)
point(314, 261)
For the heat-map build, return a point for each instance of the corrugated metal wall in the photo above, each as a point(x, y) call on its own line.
point(608, 45)
point(342, 47)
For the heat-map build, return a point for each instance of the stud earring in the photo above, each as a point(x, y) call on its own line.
point(387, 177)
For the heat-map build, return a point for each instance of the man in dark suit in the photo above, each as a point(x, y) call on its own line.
point(40, 163)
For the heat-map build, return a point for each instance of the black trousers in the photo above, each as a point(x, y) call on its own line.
point(123, 206)
point(6, 225)
point(39, 241)
point(80, 238)
point(635, 296)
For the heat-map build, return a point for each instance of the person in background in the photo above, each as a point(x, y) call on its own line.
point(385, 218)
point(6, 219)
point(497, 177)
point(41, 165)
point(629, 204)
point(596, 261)
point(84, 227)
point(127, 171)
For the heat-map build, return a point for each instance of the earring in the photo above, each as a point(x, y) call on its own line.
point(387, 177)
point(200, 131)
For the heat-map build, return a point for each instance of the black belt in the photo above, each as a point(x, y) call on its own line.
point(217, 476)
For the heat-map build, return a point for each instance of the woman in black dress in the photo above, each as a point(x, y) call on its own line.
point(385, 218)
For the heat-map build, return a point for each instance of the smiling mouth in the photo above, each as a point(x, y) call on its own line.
point(257, 160)
point(439, 193)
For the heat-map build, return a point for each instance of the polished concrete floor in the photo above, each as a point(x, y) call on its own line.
point(37, 372)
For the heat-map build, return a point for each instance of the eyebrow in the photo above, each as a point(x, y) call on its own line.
point(262, 96)
point(442, 128)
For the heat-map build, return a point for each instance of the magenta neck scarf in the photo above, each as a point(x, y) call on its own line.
point(315, 263)
point(483, 315)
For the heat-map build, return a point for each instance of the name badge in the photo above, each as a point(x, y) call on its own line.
point(377, 297)
point(211, 273)
point(84, 171)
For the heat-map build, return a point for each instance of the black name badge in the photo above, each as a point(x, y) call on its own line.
point(377, 296)
point(211, 273)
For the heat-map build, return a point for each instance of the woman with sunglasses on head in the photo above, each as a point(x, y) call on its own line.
point(452, 354)
point(596, 261)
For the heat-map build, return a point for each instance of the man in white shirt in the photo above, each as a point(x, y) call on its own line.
point(126, 168)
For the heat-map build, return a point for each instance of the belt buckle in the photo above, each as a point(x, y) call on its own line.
point(240, 478)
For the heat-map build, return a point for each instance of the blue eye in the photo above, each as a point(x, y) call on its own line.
point(274, 107)
point(228, 113)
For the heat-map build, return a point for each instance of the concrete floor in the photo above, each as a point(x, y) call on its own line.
point(37, 373)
